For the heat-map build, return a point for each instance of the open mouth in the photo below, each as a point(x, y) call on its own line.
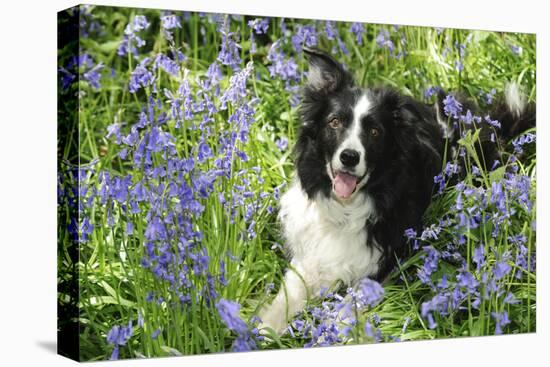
point(344, 184)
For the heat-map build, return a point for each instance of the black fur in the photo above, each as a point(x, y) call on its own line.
point(402, 161)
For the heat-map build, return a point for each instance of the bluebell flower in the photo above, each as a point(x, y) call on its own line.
point(230, 50)
point(229, 314)
point(501, 269)
point(479, 256)
point(490, 96)
point(466, 280)
point(236, 91)
point(358, 29)
point(131, 40)
point(371, 292)
point(141, 77)
point(431, 262)
point(83, 65)
point(410, 233)
point(383, 40)
point(282, 66)
point(155, 334)
point(431, 232)
point(510, 299)
point(501, 320)
point(167, 64)
point(440, 181)
point(451, 106)
point(304, 35)
point(520, 141)
point(330, 30)
point(282, 143)
point(259, 25)
point(243, 343)
point(493, 123)
point(117, 336)
point(439, 303)
point(431, 91)
point(93, 76)
point(170, 21)
point(516, 50)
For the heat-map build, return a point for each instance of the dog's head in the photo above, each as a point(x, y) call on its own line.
point(350, 134)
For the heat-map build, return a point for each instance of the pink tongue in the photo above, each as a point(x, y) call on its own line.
point(344, 184)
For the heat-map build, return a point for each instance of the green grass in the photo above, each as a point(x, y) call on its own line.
point(113, 285)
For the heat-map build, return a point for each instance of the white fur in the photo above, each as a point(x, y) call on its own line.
point(515, 100)
point(328, 242)
point(353, 139)
point(444, 124)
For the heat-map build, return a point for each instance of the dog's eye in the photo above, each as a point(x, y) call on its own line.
point(374, 131)
point(334, 123)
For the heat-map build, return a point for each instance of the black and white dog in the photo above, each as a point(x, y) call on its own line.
point(365, 166)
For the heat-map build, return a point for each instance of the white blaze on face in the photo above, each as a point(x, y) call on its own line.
point(353, 138)
point(344, 184)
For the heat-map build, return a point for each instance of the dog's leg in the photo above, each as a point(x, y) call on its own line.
point(298, 285)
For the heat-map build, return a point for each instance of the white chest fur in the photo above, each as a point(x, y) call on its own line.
point(327, 237)
point(328, 242)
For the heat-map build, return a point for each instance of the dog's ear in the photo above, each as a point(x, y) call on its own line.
point(325, 74)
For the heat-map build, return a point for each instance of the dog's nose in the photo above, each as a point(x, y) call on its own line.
point(349, 157)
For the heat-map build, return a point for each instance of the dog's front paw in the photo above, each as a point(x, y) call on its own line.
point(272, 320)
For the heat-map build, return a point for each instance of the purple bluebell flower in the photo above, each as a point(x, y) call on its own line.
point(259, 25)
point(510, 299)
point(114, 130)
point(141, 77)
point(410, 233)
point(155, 334)
point(479, 256)
point(490, 96)
point(431, 91)
point(282, 66)
point(230, 50)
point(82, 65)
point(431, 262)
point(383, 40)
point(282, 143)
point(117, 336)
point(440, 304)
point(236, 91)
point(371, 292)
point(466, 280)
point(304, 35)
point(440, 181)
point(431, 232)
point(330, 30)
point(229, 314)
point(491, 122)
point(501, 320)
point(93, 76)
point(358, 29)
point(522, 140)
point(516, 50)
point(170, 21)
point(451, 106)
point(166, 64)
point(131, 40)
point(501, 269)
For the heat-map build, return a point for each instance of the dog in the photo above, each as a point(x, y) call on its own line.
point(364, 173)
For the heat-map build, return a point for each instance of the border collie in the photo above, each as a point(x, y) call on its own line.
point(365, 166)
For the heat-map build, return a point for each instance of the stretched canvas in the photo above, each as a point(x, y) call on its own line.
point(184, 142)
